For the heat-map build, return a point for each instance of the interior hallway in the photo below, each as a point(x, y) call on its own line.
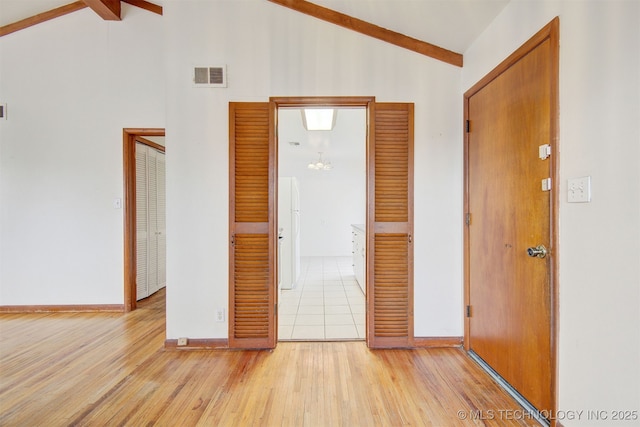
point(327, 304)
point(61, 369)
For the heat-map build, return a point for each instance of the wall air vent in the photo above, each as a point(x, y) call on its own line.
point(210, 76)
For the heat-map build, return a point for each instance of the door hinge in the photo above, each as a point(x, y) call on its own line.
point(468, 311)
point(410, 238)
point(233, 240)
point(467, 219)
point(546, 184)
point(467, 126)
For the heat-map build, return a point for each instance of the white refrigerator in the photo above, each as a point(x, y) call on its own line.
point(289, 227)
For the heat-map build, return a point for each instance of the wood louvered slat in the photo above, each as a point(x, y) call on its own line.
point(391, 252)
point(251, 167)
point(252, 277)
point(391, 277)
point(391, 166)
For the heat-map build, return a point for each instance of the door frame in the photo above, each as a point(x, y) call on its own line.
point(328, 102)
point(549, 32)
point(129, 138)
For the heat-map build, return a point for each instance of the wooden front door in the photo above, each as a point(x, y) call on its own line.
point(509, 293)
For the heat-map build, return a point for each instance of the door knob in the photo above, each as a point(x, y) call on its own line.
point(538, 252)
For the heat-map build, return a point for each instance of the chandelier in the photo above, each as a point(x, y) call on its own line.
point(320, 165)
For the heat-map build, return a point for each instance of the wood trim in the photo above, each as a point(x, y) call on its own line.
point(393, 227)
point(41, 17)
point(366, 102)
point(109, 10)
point(553, 30)
point(369, 104)
point(146, 5)
point(252, 227)
point(322, 101)
point(550, 32)
point(437, 342)
point(150, 143)
point(198, 344)
point(81, 308)
point(466, 292)
point(129, 136)
point(218, 344)
point(145, 131)
point(372, 30)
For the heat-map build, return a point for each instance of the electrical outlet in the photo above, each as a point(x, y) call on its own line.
point(182, 341)
point(220, 314)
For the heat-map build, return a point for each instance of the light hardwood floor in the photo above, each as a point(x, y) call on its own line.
point(111, 369)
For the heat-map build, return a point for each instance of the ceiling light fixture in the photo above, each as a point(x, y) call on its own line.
point(320, 165)
point(319, 118)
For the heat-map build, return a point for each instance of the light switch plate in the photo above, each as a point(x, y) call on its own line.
point(579, 190)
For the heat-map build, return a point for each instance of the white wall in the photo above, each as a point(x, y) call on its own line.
point(599, 254)
point(274, 51)
point(330, 201)
point(71, 84)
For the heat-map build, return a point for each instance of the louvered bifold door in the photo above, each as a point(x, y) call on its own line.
point(142, 222)
point(390, 221)
point(252, 227)
point(161, 226)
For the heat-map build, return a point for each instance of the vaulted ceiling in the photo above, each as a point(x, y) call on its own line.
point(426, 26)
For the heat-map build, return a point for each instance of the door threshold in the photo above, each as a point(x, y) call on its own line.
point(535, 413)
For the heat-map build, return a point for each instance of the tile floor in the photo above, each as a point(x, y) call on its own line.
point(327, 304)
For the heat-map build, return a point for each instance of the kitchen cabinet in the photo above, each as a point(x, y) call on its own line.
point(359, 254)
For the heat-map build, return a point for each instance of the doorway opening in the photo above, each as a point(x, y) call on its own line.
point(149, 137)
point(253, 234)
point(322, 208)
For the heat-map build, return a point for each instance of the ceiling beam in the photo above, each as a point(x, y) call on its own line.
point(109, 10)
point(66, 9)
point(41, 17)
point(146, 5)
point(372, 30)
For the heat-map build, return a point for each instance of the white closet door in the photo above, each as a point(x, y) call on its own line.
point(142, 222)
point(150, 221)
point(152, 198)
point(161, 221)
